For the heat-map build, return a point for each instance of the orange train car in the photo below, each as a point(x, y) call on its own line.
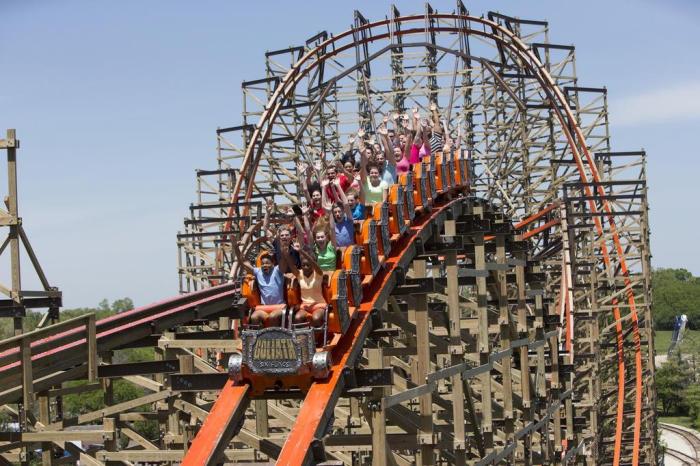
point(293, 355)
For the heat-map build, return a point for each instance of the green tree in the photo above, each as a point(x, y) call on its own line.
point(89, 401)
point(671, 381)
point(676, 292)
point(122, 305)
point(692, 400)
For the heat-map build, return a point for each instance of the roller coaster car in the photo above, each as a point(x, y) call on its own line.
point(407, 183)
point(398, 221)
point(446, 171)
point(422, 194)
point(291, 355)
point(461, 170)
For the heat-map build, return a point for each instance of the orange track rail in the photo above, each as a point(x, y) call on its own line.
point(322, 396)
point(219, 427)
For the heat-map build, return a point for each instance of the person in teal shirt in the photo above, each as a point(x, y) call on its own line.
point(356, 204)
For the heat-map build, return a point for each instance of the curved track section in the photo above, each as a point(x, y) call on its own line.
point(687, 454)
point(517, 76)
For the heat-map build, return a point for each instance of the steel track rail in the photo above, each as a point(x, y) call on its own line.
point(689, 437)
point(57, 353)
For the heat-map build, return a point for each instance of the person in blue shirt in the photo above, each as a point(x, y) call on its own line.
point(270, 282)
point(356, 204)
point(385, 159)
point(343, 224)
point(341, 219)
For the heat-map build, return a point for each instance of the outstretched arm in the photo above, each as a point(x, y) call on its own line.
point(384, 136)
point(361, 140)
point(332, 228)
point(304, 171)
point(287, 260)
point(311, 259)
point(307, 223)
point(363, 170)
point(437, 128)
point(241, 260)
point(409, 143)
point(325, 202)
point(344, 199)
point(270, 203)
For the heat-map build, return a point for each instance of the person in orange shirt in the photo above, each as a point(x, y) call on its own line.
point(313, 304)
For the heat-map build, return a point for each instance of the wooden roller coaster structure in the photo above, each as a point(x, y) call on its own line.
point(508, 322)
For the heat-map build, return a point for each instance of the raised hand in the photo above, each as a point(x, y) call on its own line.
point(360, 133)
point(433, 107)
point(395, 116)
point(383, 130)
point(327, 205)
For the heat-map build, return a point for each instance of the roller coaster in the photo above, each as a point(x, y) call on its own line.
point(495, 307)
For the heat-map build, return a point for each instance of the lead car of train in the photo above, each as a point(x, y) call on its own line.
point(292, 356)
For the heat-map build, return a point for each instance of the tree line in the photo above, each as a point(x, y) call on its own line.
point(675, 292)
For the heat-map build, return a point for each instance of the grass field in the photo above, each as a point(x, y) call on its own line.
point(690, 344)
point(684, 421)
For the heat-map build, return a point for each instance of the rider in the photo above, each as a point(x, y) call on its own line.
point(270, 281)
point(313, 304)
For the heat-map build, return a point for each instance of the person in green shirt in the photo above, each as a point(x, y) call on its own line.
point(325, 248)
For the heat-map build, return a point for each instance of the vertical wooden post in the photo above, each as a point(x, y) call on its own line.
point(107, 384)
point(91, 338)
point(425, 439)
point(483, 343)
point(380, 447)
point(109, 425)
point(540, 373)
point(456, 348)
point(504, 324)
point(186, 367)
point(555, 390)
point(159, 354)
point(524, 450)
point(45, 419)
point(173, 422)
point(262, 426)
point(12, 205)
point(27, 380)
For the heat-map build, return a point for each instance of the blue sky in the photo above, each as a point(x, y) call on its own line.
point(116, 104)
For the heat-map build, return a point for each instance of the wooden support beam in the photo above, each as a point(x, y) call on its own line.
point(456, 354)
point(425, 441)
point(483, 341)
point(505, 337)
point(124, 406)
